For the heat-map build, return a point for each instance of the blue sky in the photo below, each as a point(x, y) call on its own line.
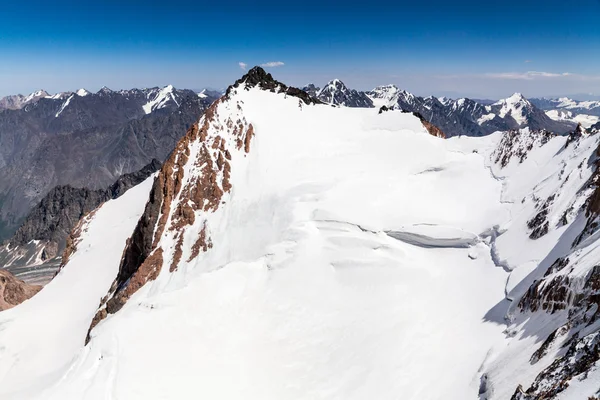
point(480, 49)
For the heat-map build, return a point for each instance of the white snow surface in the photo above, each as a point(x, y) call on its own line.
point(40, 338)
point(356, 257)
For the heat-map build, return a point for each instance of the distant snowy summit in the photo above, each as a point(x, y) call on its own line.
point(335, 92)
point(148, 99)
point(455, 117)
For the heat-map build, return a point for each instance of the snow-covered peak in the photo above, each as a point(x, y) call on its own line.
point(334, 85)
point(516, 97)
point(38, 94)
point(105, 90)
point(337, 93)
point(517, 106)
point(383, 95)
point(159, 99)
point(59, 96)
point(82, 92)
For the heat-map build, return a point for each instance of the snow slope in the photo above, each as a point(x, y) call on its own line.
point(40, 338)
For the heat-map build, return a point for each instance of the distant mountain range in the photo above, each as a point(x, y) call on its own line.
point(454, 117)
point(85, 139)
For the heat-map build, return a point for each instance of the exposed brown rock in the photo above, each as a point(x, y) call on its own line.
point(202, 243)
point(248, 138)
point(177, 254)
point(14, 291)
point(432, 129)
point(178, 201)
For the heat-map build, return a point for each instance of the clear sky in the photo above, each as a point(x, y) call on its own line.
point(475, 48)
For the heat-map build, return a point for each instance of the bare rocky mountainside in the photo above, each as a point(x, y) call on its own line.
point(14, 291)
point(35, 250)
point(84, 139)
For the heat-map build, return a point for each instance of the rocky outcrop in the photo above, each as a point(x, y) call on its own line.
point(311, 89)
point(516, 144)
point(258, 77)
point(570, 290)
point(179, 200)
point(432, 129)
point(14, 291)
point(539, 224)
point(580, 343)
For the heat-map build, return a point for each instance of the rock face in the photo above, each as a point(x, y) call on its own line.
point(336, 93)
point(178, 200)
point(86, 140)
point(432, 129)
point(258, 77)
point(558, 303)
point(43, 234)
point(14, 291)
point(311, 89)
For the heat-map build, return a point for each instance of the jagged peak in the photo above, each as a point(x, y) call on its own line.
point(36, 95)
point(258, 77)
point(334, 84)
point(516, 98)
point(105, 89)
point(382, 91)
